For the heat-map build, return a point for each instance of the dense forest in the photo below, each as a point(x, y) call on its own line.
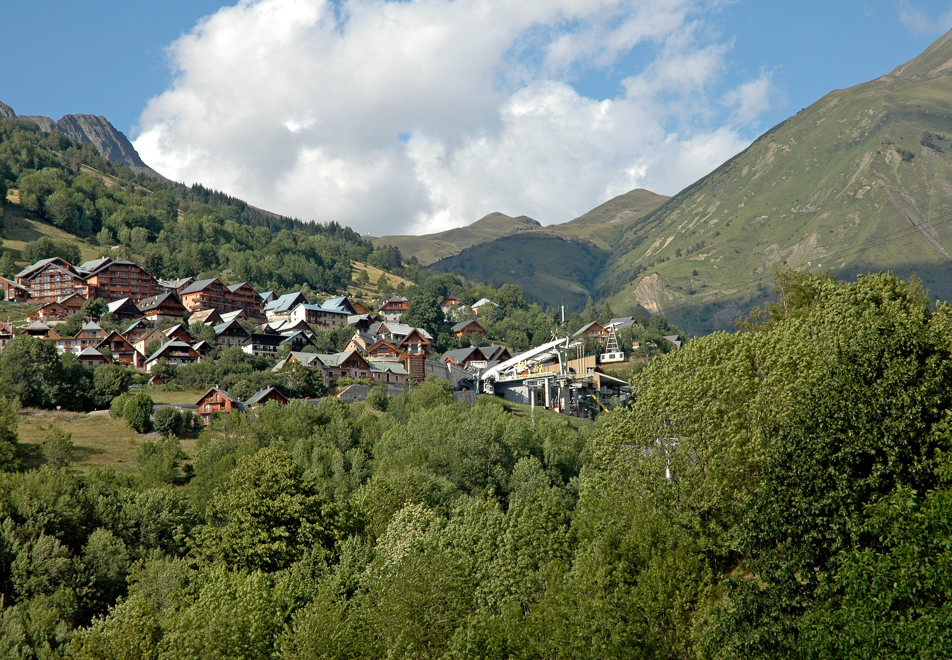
point(780, 490)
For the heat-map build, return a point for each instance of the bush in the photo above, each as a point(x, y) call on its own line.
point(168, 421)
point(138, 412)
point(58, 447)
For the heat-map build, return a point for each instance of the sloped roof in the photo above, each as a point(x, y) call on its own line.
point(483, 301)
point(43, 263)
point(238, 404)
point(587, 327)
point(174, 343)
point(388, 365)
point(463, 324)
point(90, 352)
point(117, 305)
point(261, 394)
point(230, 325)
point(307, 359)
point(199, 285)
point(285, 302)
point(149, 304)
point(458, 355)
point(231, 316)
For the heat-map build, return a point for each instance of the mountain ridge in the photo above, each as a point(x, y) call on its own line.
point(90, 129)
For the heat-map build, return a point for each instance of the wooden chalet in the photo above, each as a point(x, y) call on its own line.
point(122, 350)
point(6, 334)
point(216, 401)
point(176, 353)
point(90, 335)
point(137, 330)
point(264, 396)
point(467, 329)
point(52, 312)
point(243, 296)
point(394, 308)
point(383, 350)
point(39, 330)
point(347, 364)
point(90, 357)
point(13, 292)
point(123, 308)
point(230, 334)
point(205, 316)
point(51, 279)
point(207, 294)
point(593, 330)
point(449, 303)
point(112, 279)
point(263, 344)
point(163, 306)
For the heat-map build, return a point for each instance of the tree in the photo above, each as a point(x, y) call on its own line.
point(168, 421)
point(137, 412)
point(8, 267)
point(58, 447)
point(267, 515)
point(109, 381)
point(31, 371)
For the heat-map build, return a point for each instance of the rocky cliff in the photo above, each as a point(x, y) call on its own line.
point(91, 129)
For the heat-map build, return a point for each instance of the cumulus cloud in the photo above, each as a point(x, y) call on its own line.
point(422, 115)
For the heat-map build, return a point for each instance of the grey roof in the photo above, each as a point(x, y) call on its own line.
point(307, 359)
point(622, 322)
point(483, 301)
point(398, 329)
point(174, 343)
point(388, 365)
point(198, 285)
point(39, 265)
point(459, 354)
point(115, 305)
point(260, 394)
point(228, 325)
point(153, 302)
point(285, 302)
point(463, 324)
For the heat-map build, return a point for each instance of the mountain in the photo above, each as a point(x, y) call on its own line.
point(91, 129)
point(556, 264)
point(859, 181)
point(429, 248)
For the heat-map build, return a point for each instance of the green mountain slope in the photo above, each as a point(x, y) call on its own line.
point(605, 223)
point(550, 269)
point(859, 181)
point(433, 247)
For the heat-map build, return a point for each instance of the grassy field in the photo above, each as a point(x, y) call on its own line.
point(174, 398)
point(98, 440)
point(19, 229)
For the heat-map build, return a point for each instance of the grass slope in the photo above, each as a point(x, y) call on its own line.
point(430, 248)
point(550, 269)
point(859, 181)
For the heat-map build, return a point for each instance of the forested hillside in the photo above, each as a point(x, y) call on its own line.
point(170, 229)
point(783, 490)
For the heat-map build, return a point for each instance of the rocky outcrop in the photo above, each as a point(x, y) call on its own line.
point(91, 129)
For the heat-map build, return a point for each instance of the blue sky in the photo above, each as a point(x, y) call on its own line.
point(421, 115)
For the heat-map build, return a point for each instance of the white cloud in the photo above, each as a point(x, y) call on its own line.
point(426, 114)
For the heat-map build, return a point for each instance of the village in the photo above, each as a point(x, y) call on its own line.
point(157, 322)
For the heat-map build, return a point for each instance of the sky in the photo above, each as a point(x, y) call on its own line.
point(414, 116)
